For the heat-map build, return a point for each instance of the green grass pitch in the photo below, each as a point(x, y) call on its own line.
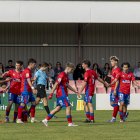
point(58, 129)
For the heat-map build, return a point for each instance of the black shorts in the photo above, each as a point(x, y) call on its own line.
point(41, 92)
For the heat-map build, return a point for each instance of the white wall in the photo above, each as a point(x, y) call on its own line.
point(70, 12)
point(103, 102)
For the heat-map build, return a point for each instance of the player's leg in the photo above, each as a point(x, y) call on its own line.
point(15, 112)
point(126, 103)
point(114, 104)
point(8, 108)
point(20, 110)
point(87, 112)
point(25, 114)
point(10, 99)
point(32, 108)
point(91, 110)
point(69, 116)
point(45, 103)
point(121, 100)
point(38, 99)
point(23, 101)
point(17, 103)
point(52, 113)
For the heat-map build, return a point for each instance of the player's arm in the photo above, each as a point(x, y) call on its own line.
point(116, 80)
point(134, 82)
point(82, 88)
point(30, 83)
point(72, 89)
point(6, 74)
point(53, 90)
point(116, 86)
point(84, 83)
point(102, 81)
point(33, 80)
point(113, 82)
point(6, 80)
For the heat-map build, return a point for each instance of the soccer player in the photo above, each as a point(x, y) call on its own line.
point(61, 86)
point(41, 80)
point(89, 84)
point(125, 78)
point(27, 91)
point(14, 90)
point(114, 88)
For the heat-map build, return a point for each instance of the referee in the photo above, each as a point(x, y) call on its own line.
point(41, 81)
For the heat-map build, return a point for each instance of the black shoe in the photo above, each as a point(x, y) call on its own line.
point(87, 121)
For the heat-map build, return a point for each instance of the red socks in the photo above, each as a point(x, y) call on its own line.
point(115, 111)
point(32, 110)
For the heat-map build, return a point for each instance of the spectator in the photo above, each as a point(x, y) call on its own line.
point(10, 65)
point(1, 72)
point(50, 71)
point(106, 73)
point(78, 73)
point(97, 69)
point(58, 69)
point(137, 72)
point(1, 69)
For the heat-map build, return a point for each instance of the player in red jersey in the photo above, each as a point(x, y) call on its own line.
point(61, 85)
point(14, 89)
point(114, 88)
point(125, 78)
point(27, 91)
point(89, 84)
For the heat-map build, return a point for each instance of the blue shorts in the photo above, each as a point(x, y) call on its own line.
point(125, 98)
point(63, 101)
point(27, 97)
point(14, 98)
point(88, 99)
point(114, 99)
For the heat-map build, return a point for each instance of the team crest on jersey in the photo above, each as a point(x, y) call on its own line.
point(27, 74)
point(59, 80)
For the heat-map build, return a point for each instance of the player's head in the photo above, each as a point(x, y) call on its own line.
point(58, 64)
point(10, 62)
point(44, 66)
point(125, 66)
point(32, 63)
point(114, 61)
point(19, 65)
point(86, 64)
point(50, 66)
point(138, 64)
point(69, 67)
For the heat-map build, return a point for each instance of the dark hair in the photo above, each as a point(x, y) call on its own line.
point(10, 61)
point(125, 63)
point(87, 62)
point(95, 64)
point(107, 64)
point(31, 60)
point(2, 67)
point(19, 62)
point(58, 63)
point(44, 64)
